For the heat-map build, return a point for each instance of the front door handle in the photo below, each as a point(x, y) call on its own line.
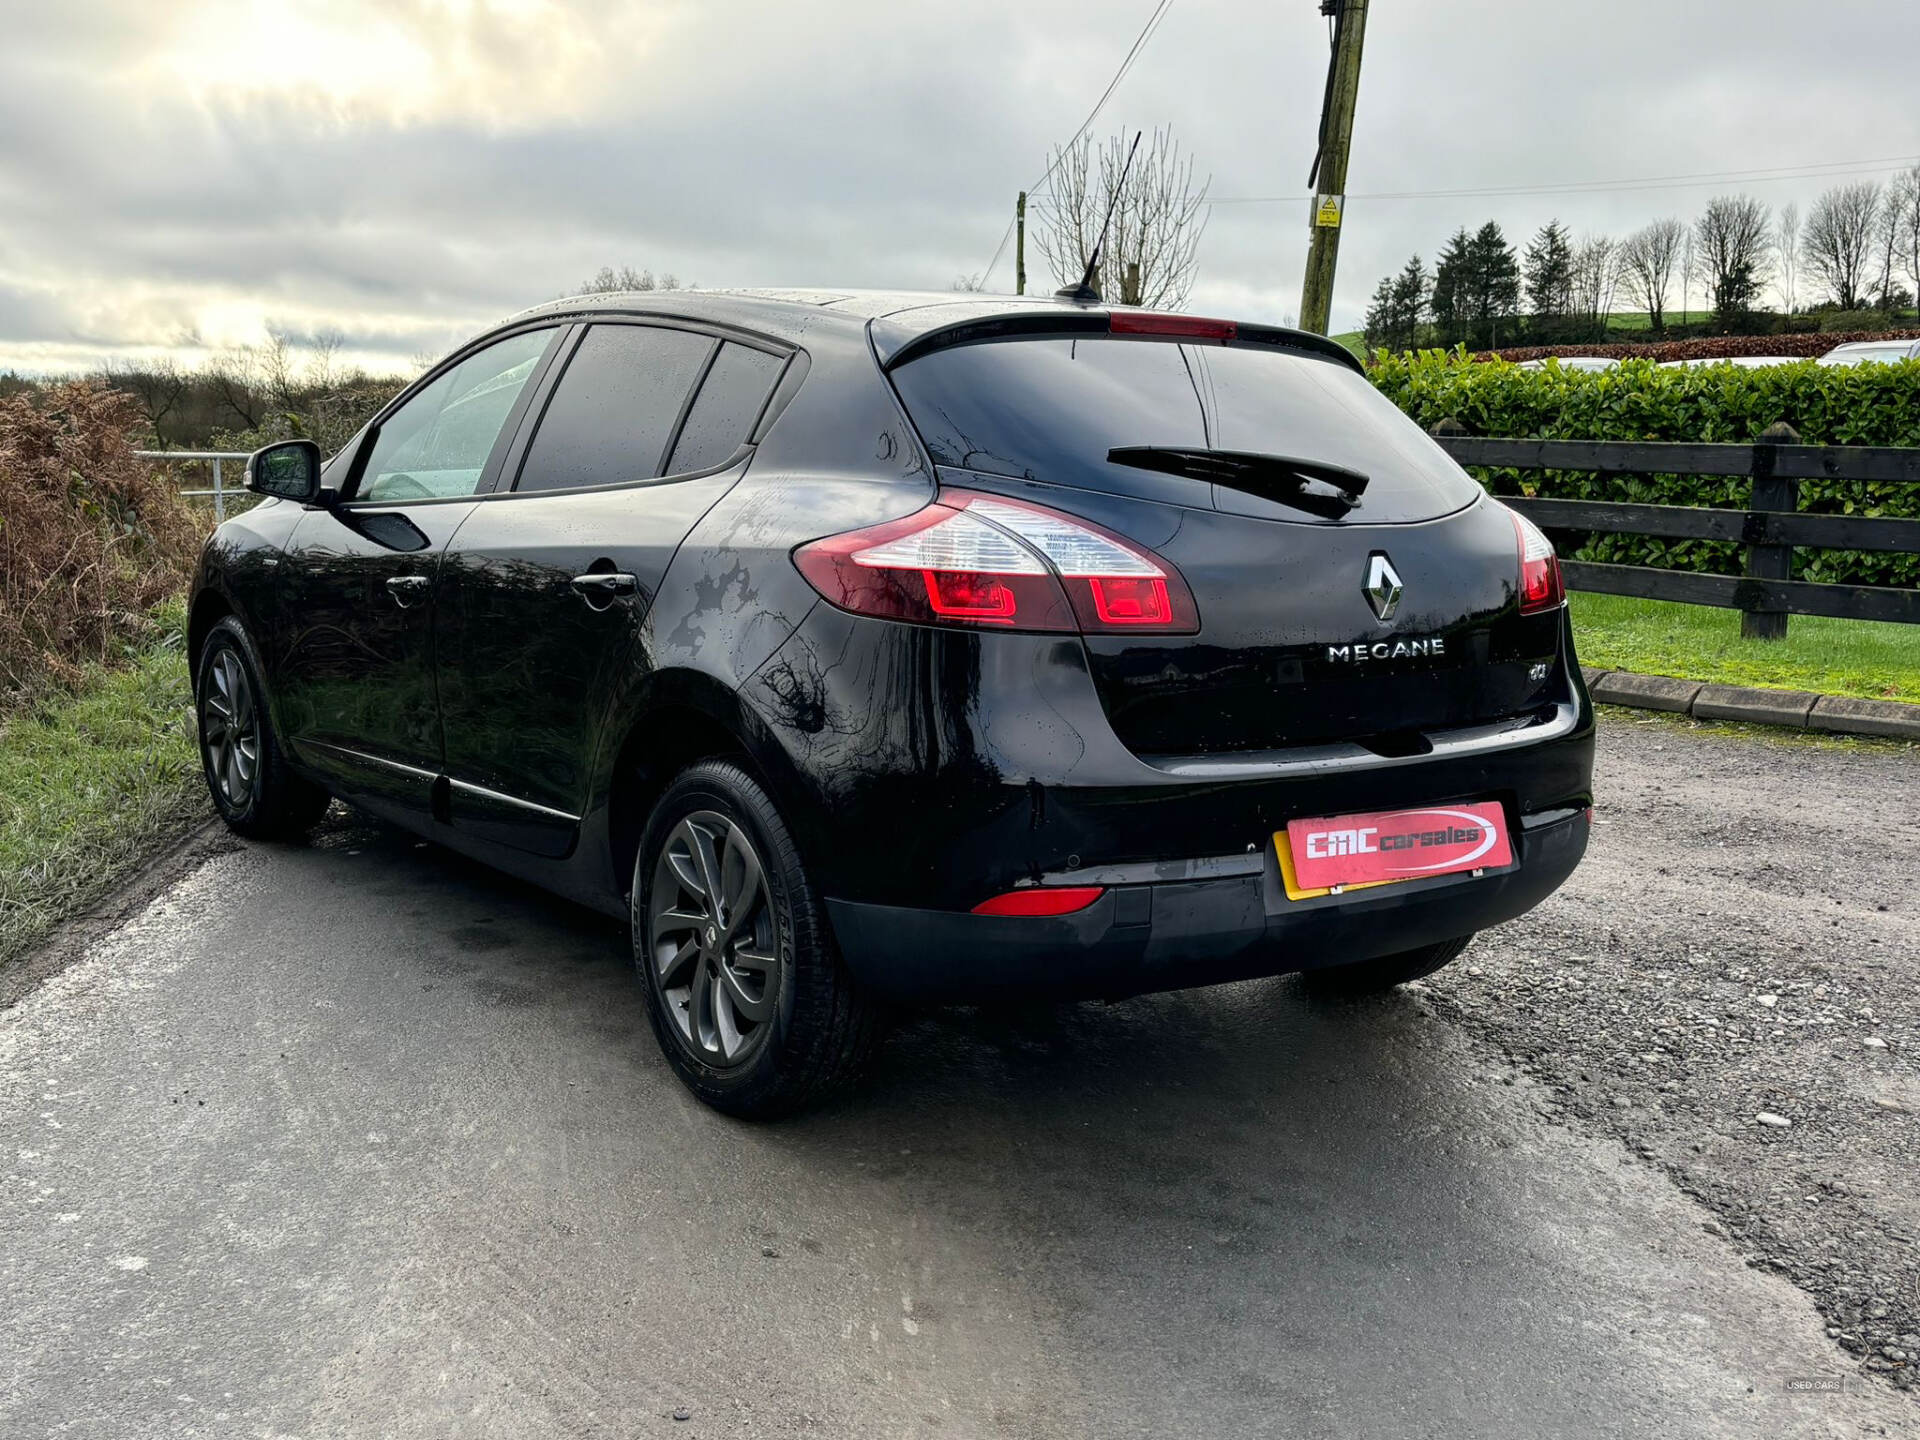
point(405, 589)
point(600, 587)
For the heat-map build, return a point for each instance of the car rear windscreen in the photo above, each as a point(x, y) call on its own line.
point(1049, 409)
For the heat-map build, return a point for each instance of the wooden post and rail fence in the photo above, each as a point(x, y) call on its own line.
point(1770, 527)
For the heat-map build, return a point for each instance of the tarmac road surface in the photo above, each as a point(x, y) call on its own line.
point(362, 1140)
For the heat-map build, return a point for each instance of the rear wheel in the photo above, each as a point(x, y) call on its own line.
point(1370, 977)
point(748, 997)
point(253, 788)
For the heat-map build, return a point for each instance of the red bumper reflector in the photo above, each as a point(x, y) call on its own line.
point(1042, 900)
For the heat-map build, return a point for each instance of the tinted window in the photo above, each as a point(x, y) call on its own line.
point(1051, 409)
point(614, 410)
point(437, 443)
point(730, 400)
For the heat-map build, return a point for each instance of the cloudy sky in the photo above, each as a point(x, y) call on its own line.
point(179, 176)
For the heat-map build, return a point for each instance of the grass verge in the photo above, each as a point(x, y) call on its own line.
point(92, 781)
point(1695, 642)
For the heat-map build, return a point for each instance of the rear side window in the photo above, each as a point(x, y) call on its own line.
point(730, 400)
point(614, 411)
point(1051, 409)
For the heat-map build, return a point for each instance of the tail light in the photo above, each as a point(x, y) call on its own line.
point(984, 560)
point(1541, 586)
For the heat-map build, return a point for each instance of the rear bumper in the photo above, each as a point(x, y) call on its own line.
point(1171, 926)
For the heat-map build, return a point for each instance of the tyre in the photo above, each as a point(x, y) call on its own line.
point(1371, 977)
point(253, 788)
point(748, 997)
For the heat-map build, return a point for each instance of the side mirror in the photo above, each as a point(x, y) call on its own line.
point(289, 470)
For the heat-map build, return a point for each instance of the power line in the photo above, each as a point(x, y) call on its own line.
point(1133, 53)
point(998, 250)
point(1828, 169)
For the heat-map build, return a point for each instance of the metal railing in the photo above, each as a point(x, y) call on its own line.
point(219, 490)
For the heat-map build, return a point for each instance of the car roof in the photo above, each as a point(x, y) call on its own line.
point(1573, 362)
point(1745, 362)
point(908, 315)
point(1875, 347)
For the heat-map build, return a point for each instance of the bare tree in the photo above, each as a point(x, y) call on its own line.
point(1903, 198)
point(1730, 238)
point(1839, 240)
point(234, 377)
point(1152, 249)
point(276, 368)
point(158, 386)
point(1647, 263)
point(323, 361)
point(1596, 272)
point(971, 284)
point(1689, 272)
point(610, 281)
point(1889, 244)
point(1786, 253)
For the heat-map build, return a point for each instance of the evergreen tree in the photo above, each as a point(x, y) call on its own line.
point(1495, 272)
point(1378, 331)
point(1452, 297)
point(1549, 277)
point(1409, 302)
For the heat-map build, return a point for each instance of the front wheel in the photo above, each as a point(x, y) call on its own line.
point(253, 788)
point(748, 997)
point(1371, 977)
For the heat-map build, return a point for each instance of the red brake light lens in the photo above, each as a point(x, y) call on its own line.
point(1130, 600)
point(974, 559)
point(1042, 900)
point(1541, 584)
point(1185, 327)
point(970, 595)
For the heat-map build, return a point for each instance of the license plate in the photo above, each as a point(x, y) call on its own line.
point(1383, 847)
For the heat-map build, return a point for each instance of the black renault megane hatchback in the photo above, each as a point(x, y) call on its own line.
point(863, 649)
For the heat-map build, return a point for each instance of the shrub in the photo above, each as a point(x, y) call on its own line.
point(90, 538)
point(1854, 405)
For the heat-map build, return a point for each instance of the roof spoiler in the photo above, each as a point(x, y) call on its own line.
point(1147, 323)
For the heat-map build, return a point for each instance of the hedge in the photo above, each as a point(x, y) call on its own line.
point(1834, 405)
point(1704, 347)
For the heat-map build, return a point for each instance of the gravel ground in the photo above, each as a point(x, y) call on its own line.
point(1728, 985)
point(356, 1138)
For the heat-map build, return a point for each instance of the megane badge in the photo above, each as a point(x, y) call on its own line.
point(1383, 586)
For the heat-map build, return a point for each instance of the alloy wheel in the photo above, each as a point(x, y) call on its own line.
point(230, 727)
point(714, 940)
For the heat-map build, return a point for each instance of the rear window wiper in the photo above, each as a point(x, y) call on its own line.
point(1328, 491)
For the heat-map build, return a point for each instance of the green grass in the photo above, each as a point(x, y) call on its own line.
point(1694, 642)
point(1637, 319)
point(91, 782)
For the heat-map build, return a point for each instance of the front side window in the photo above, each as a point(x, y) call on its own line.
point(437, 444)
point(614, 411)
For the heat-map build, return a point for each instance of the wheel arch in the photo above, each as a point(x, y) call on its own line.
point(683, 717)
point(209, 608)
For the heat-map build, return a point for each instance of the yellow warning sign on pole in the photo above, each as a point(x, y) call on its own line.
point(1326, 211)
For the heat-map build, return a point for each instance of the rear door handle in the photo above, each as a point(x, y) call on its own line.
point(405, 589)
point(600, 587)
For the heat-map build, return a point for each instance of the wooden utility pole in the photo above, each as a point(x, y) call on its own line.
point(1329, 178)
point(1020, 245)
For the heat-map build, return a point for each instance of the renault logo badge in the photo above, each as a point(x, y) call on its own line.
point(1383, 586)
